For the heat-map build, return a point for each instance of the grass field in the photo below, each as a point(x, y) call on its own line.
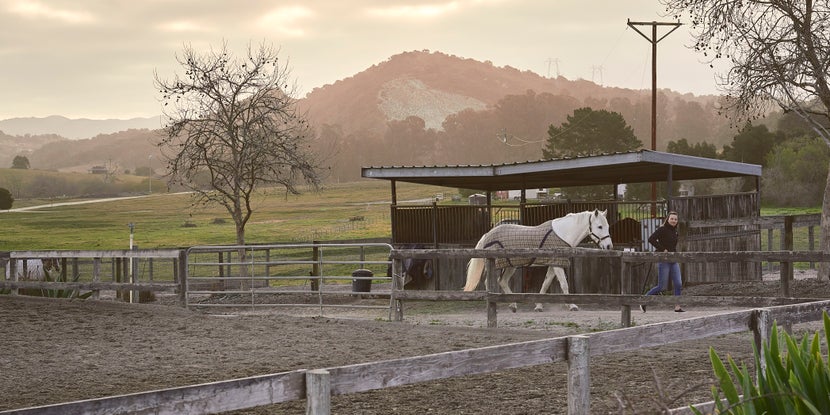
point(341, 211)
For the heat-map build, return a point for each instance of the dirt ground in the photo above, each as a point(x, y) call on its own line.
point(54, 351)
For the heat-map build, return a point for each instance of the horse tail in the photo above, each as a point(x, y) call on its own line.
point(474, 270)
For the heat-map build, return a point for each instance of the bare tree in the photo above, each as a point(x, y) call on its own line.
point(777, 53)
point(233, 129)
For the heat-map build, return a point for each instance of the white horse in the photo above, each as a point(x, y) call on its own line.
point(567, 231)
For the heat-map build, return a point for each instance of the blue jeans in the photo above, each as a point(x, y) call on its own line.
point(666, 270)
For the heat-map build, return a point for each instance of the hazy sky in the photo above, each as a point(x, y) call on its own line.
point(95, 58)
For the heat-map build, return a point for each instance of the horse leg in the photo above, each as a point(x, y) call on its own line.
point(549, 276)
point(504, 282)
point(563, 284)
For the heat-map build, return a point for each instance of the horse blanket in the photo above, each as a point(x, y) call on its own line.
point(510, 236)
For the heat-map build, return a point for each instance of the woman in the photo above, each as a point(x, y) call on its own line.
point(664, 239)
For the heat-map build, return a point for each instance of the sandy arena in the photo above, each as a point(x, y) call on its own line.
point(58, 351)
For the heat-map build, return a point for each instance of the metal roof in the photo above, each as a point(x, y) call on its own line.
point(632, 167)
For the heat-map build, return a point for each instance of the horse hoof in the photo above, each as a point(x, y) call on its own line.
point(573, 307)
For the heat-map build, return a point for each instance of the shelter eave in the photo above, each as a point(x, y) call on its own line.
point(632, 167)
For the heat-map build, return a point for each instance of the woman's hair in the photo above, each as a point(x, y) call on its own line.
point(666, 221)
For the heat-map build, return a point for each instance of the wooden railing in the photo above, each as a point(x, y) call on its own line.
point(619, 260)
point(319, 385)
point(121, 279)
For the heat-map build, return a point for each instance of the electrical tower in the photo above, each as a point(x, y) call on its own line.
point(594, 71)
point(554, 61)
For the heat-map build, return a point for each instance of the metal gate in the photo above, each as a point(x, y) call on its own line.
point(317, 275)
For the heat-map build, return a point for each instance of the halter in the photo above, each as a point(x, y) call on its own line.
point(594, 237)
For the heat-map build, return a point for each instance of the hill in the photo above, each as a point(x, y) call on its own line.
point(12, 145)
point(74, 128)
point(424, 107)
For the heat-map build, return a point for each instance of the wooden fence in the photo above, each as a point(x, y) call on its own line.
point(122, 277)
point(620, 260)
point(317, 386)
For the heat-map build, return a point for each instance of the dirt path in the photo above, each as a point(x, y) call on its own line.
point(55, 351)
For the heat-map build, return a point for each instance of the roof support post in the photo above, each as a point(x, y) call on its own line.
point(393, 207)
point(669, 184)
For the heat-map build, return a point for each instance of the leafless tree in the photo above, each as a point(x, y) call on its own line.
point(777, 53)
point(233, 129)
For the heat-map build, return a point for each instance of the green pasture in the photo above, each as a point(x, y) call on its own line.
point(801, 239)
point(336, 212)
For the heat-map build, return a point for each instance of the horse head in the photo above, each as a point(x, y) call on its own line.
point(598, 229)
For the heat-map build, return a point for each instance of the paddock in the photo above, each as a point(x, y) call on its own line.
point(180, 361)
point(370, 363)
point(378, 358)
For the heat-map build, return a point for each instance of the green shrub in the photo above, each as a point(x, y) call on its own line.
point(61, 293)
point(796, 383)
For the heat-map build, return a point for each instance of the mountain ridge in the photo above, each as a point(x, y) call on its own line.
point(75, 128)
point(416, 107)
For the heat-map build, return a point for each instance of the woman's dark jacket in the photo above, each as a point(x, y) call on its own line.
point(664, 238)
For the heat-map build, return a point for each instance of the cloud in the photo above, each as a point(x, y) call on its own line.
point(183, 26)
point(421, 11)
point(427, 11)
point(35, 10)
point(285, 20)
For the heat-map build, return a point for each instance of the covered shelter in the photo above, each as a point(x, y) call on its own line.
point(631, 222)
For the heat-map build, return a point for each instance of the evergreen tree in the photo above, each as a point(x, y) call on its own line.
point(6, 199)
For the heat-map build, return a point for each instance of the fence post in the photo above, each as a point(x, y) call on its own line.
point(318, 392)
point(812, 242)
point(182, 273)
point(397, 284)
point(624, 270)
point(315, 266)
point(96, 275)
point(492, 285)
point(769, 248)
point(761, 329)
point(786, 266)
point(12, 267)
point(579, 376)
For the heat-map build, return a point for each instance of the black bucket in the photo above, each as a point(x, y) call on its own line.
point(362, 280)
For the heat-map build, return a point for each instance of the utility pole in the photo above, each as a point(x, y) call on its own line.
point(654, 40)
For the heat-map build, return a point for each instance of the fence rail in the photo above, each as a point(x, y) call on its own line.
point(317, 386)
point(99, 270)
point(619, 259)
point(256, 274)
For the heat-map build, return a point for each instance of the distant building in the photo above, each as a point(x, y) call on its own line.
point(98, 170)
point(478, 199)
point(529, 193)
